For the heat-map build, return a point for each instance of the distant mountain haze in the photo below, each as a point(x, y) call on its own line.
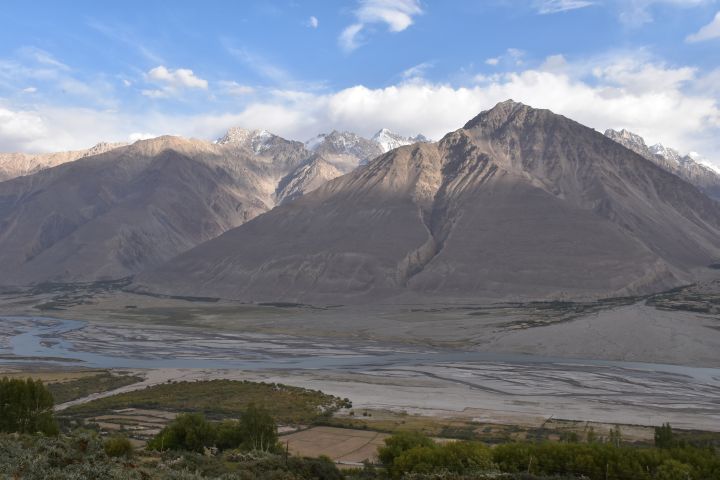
point(518, 204)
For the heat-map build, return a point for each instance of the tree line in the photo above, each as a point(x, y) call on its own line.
point(413, 455)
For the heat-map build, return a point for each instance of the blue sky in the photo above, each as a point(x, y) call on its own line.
point(76, 72)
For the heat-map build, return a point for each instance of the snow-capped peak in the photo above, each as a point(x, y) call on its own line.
point(389, 140)
point(257, 140)
point(341, 142)
point(667, 153)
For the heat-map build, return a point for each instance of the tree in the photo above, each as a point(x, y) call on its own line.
point(400, 443)
point(26, 406)
point(259, 429)
point(664, 436)
point(189, 431)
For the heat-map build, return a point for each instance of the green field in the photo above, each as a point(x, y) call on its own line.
point(221, 398)
point(105, 381)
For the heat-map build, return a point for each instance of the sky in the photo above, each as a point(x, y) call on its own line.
point(74, 73)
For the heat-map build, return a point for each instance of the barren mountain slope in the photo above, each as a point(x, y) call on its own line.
point(519, 204)
point(111, 215)
point(18, 164)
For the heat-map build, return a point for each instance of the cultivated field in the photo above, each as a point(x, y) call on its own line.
point(343, 445)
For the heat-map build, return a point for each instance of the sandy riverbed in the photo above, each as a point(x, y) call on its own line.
point(445, 361)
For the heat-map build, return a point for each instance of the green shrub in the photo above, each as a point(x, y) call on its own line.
point(229, 434)
point(118, 446)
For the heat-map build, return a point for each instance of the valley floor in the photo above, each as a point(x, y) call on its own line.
point(626, 361)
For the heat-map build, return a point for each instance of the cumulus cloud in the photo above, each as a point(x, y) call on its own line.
point(29, 90)
point(18, 129)
point(182, 77)
point(313, 22)
point(545, 7)
point(172, 81)
point(708, 32)
point(397, 15)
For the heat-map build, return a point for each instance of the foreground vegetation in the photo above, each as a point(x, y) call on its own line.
point(85, 456)
point(247, 446)
point(223, 398)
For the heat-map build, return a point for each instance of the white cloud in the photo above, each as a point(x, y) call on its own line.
point(260, 65)
point(42, 57)
point(126, 37)
point(29, 90)
point(135, 136)
point(555, 6)
point(313, 22)
point(180, 78)
point(416, 71)
point(155, 93)
point(397, 15)
point(235, 89)
point(18, 129)
point(635, 13)
point(512, 57)
point(554, 63)
point(708, 32)
point(672, 105)
point(637, 77)
point(349, 37)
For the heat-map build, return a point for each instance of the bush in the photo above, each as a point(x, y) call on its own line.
point(118, 446)
point(451, 458)
point(229, 434)
point(189, 431)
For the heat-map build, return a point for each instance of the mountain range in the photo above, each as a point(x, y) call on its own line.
point(114, 210)
point(19, 164)
point(671, 160)
point(518, 204)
